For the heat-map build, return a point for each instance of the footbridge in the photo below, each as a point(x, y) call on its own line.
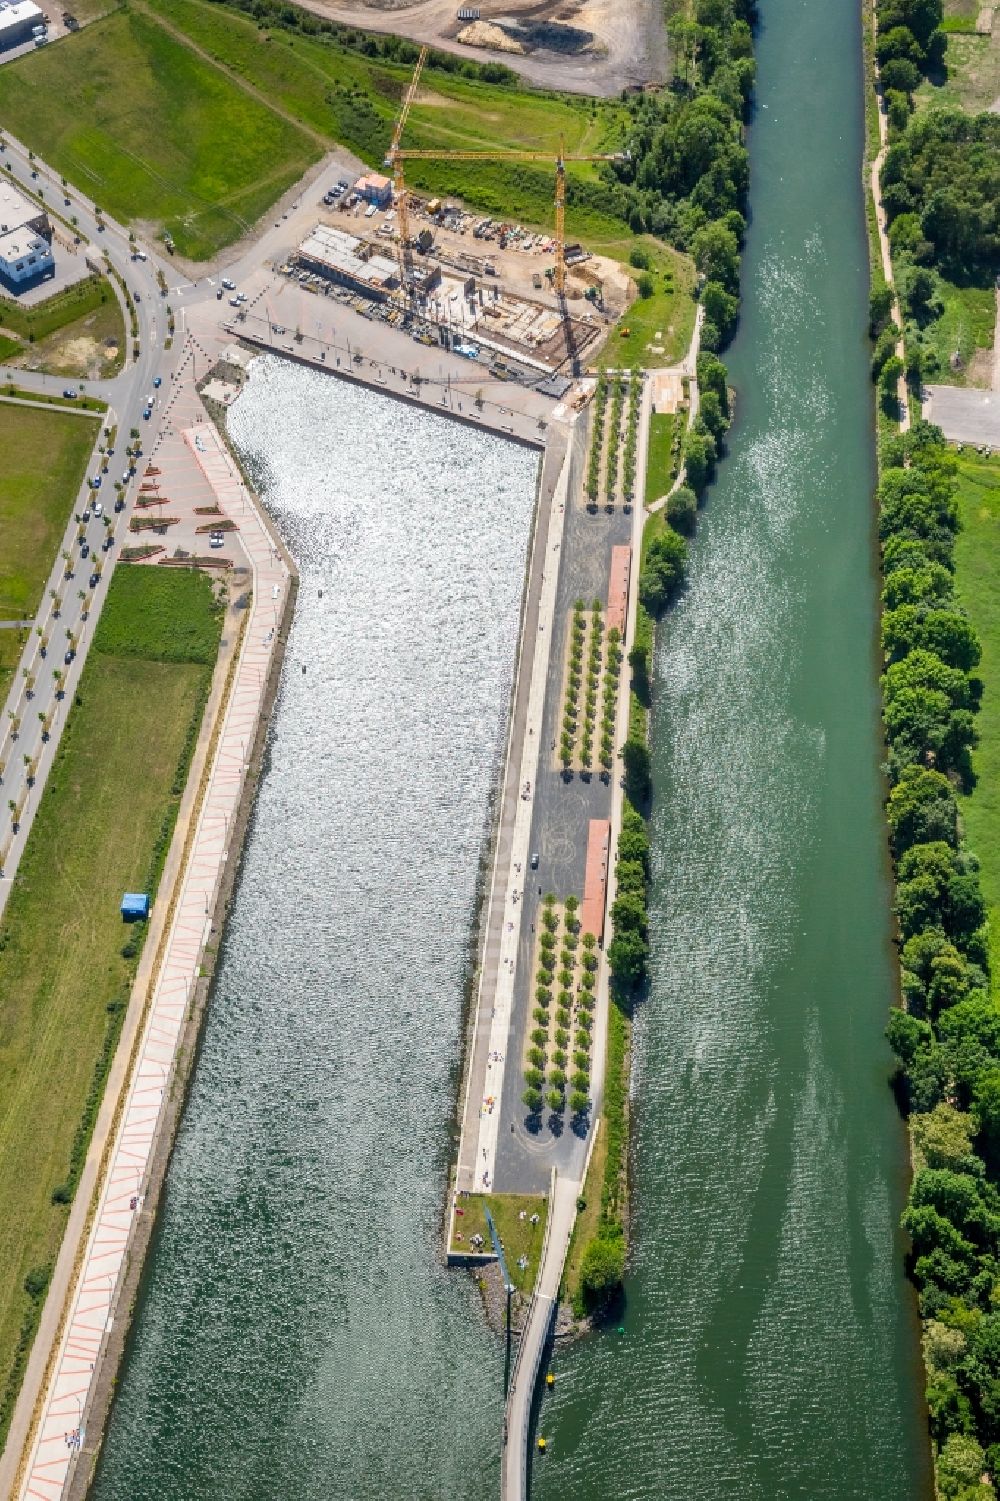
point(541, 1311)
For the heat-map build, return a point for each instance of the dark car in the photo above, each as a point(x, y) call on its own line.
point(69, 656)
point(69, 393)
point(86, 516)
point(85, 550)
point(95, 579)
point(119, 504)
point(534, 861)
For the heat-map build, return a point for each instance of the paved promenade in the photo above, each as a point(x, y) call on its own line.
point(90, 1308)
point(477, 1157)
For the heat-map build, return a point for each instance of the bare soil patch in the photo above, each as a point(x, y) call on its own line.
point(582, 46)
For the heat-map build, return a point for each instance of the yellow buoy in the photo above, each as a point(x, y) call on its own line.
point(550, 1380)
point(541, 1445)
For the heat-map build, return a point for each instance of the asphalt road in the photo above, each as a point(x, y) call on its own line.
point(27, 748)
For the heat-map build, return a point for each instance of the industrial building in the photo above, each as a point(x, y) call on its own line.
point(20, 21)
point(351, 262)
point(360, 265)
point(25, 238)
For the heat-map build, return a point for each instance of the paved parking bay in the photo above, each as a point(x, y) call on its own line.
point(964, 414)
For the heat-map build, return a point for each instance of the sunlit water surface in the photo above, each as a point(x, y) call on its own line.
point(299, 1338)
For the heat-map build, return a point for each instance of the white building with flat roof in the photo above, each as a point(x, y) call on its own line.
point(18, 20)
point(25, 237)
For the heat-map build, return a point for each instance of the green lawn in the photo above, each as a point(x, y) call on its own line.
point(966, 325)
point(68, 962)
point(519, 1237)
point(36, 497)
point(132, 116)
point(661, 466)
point(11, 645)
point(971, 77)
point(977, 559)
point(659, 327)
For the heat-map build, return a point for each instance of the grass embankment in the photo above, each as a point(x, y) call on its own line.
point(661, 457)
point(518, 1236)
point(78, 332)
point(35, 504)
point(656, 330)
point(977, 567)
point(103, 827)
point(964, 327)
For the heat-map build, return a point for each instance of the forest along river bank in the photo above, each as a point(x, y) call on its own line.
point(297, 1332)
point(769, 1345)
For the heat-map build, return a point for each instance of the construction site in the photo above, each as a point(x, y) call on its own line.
point(518, 301)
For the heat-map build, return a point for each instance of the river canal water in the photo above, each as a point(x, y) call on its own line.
point(769, 1347)
point(297, 1336)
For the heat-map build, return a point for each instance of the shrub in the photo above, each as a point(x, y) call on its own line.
point(682, 510)
point(603, 1270)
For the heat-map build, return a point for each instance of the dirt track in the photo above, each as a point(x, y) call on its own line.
point(627, 51)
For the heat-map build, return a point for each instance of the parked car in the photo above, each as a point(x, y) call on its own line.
point(534, 860)
point(69, 393)
point(119, 504)
point(69, 656)
point(98, 508)
point(85, 550)
point(157, 382)
point(86, 516)
point(230, 286)
point(95, 579)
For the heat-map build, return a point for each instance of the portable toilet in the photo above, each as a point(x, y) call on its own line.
point(135, 905)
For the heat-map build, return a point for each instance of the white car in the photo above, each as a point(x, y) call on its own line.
point(98, 508)
point(229, 285)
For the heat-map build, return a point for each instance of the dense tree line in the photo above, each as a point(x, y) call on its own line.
point(687, 162)
point(946, 1034)
point(941, 190)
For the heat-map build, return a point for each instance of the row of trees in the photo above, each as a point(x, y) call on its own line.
point(558, 1056)
point(597, 417)
point(946, 1035)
